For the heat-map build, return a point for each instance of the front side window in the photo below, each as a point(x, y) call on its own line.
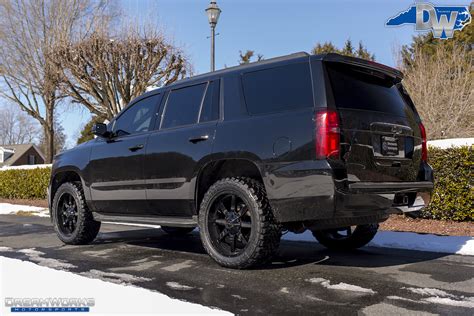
point(137, 118)
point(182, 107)
point(278, 89)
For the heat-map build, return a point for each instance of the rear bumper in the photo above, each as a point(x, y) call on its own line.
point(406, 196)
point(308, 191)
point(367, 204)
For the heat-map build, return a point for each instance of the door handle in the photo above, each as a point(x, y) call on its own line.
point(136, 147)
point(197, 139)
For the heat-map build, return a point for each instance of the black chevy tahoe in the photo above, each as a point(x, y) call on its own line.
point(328, 143)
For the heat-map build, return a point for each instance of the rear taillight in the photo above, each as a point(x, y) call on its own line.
point(327, 134)
point(424, 146)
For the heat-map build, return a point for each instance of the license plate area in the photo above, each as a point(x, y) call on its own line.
point(389, 146)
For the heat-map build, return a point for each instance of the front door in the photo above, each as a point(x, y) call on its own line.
point(116, 165)
point(179, 147)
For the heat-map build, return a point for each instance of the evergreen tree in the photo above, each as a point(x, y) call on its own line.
point(347, 50)
point(86, 133)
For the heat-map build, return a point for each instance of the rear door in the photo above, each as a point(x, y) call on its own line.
point(380, 135)
point(179, 146)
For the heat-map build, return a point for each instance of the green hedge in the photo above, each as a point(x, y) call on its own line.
point(24, 183)
point(453, 196)
point(452, 199)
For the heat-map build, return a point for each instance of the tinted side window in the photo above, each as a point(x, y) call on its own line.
point(357, 88)
point(137, 118)
point(210, 106)
point(278, 89)
point(182, 107)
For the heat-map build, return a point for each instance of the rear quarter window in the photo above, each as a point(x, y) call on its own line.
point(357, 88)
point(278, 89)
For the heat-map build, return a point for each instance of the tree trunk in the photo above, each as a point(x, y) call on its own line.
point(49, 134)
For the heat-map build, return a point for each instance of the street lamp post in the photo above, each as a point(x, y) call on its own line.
point(213, 13)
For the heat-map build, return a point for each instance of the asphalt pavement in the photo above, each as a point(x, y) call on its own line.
point(304, 278)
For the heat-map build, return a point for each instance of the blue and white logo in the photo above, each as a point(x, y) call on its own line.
point(442, 21)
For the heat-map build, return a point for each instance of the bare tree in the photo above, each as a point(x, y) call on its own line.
point(441, 86)
point(246, 58)
point(30, 32)
point(59, 139)
point(105, 72)
point(17, 127)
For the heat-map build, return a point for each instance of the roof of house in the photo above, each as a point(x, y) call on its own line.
point(19, 151)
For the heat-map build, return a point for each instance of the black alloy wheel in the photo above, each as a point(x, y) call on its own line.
point(67, 214)
point(73, 221)
point(230, 224)
point(236, 223)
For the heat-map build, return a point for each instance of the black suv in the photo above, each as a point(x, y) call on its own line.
point(328, 143)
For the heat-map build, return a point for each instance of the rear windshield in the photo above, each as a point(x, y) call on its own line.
point(362, 89)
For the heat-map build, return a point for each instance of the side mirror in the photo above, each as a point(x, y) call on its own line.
point(100, 129)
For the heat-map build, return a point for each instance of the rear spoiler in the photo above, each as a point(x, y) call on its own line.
point(332, 57)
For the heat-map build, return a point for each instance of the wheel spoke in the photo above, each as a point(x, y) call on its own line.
point(246, 224)
point(223, 234)
point(220, 221)
point(243, 211)
point(232, 203)
point(242, 239)
point(221, 208)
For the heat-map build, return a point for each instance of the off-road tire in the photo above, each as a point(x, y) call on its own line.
point(360, 237)
point(87, 228)
point(266, 232)
point(177, 231)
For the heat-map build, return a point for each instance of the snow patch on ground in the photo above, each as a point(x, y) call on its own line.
point(7, 208)
point(118, 278)
point(461, 245)
point(6, 249)
point(110, 298)
point(179, 266)
point(451, 142)
point(398, 298)
point(284, 290)
point(178, 286)
point(468, 302)
point(340, 286)
point(438, 296)
point(429, 291)
point(36, 256)
point(25, 167)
